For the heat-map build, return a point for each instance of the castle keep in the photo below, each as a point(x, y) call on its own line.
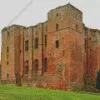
point(61, 53)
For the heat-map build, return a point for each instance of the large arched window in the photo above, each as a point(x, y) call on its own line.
point(36, 66)
point(36, 43)
point(7, 76)
point(26, 66)
point(45, 65)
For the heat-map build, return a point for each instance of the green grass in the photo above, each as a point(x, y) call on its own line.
point(23, 93)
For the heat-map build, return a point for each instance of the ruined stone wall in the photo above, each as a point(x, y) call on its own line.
point(60, 53)
point(92, 52)
point(8, 53)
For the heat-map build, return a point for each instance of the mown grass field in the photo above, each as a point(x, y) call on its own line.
point(24, 93)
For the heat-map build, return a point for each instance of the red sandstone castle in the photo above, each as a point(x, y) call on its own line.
point(61, 53)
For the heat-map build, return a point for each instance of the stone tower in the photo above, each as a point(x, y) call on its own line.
point(65, 47)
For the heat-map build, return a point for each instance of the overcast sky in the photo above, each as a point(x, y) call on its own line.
point(37, 12)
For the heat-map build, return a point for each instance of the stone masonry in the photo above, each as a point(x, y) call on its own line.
point(61, 53)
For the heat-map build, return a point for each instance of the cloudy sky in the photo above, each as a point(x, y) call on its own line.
point(37, 12)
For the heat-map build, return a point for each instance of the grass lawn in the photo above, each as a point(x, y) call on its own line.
point(24, 93)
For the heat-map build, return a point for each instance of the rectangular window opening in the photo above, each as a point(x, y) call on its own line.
point(26, 45)
point(45, 65)
point(57, 27)
point(7, 76)
point(36, 43)
point(76, 27)
point(8, 34)
point(7, 49)
point(57, 43)
point(45, 40)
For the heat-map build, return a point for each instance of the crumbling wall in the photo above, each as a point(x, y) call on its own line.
point(92, 40)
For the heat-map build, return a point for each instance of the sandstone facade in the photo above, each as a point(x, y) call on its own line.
point(61, 53)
